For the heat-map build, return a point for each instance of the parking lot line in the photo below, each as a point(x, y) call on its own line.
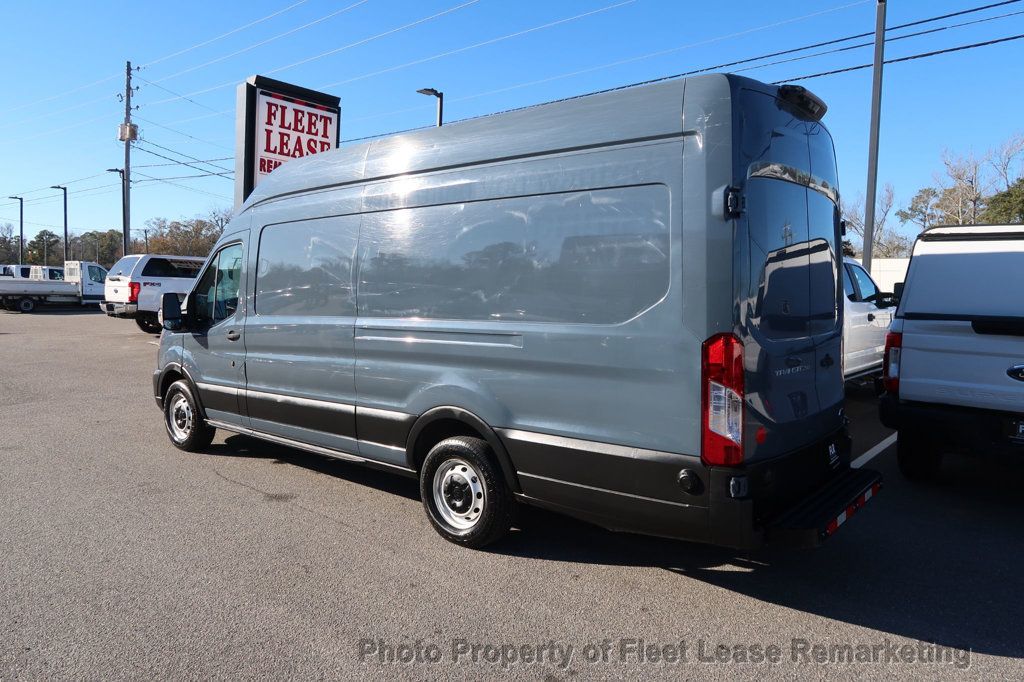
point(873, 452)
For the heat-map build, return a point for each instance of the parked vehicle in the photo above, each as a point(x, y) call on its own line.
point(82, 284)
point(135, 284)
point(954, 368)
point(868, 312)
point(47, 273)
point(535, 308)
point(16, 271)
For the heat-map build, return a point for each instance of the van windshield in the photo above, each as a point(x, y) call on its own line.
point(793, 219)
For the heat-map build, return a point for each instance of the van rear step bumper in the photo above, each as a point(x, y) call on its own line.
point(819, 516)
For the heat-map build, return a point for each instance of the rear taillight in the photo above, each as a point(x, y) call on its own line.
point(133, 292)
point(892, 357)
point(722, 403)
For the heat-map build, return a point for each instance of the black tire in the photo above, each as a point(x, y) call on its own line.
point(148, 324)
point(183, 420)
point(919, 457)
point(26, 305)
point(466, 472)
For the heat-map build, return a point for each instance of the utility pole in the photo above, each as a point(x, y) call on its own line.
point(145, 235)
point(65, 218)
point(21, 229)
point(876, 111)
point(128, 132)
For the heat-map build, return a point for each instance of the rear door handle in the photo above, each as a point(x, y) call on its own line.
point(871, 318)
point(233, 335)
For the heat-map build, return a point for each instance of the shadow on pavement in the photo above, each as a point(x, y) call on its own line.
point(931, 562)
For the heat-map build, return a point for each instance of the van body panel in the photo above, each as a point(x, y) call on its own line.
point(214, 362)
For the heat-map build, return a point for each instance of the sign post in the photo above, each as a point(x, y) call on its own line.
point(276, 122)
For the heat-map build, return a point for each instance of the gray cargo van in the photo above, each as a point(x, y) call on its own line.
point(624, 307)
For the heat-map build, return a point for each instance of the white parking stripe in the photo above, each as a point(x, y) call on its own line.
point(873, 452)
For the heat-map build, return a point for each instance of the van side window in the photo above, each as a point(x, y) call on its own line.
point(217, 290)
point(868, 290)
point(598, 257)
point(305, 268)
point(97, 274)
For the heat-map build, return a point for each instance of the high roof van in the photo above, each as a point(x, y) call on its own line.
point(624, 307)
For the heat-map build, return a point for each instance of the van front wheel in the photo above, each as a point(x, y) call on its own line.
point(185, 425)
point(464, 494)
point(918, 457)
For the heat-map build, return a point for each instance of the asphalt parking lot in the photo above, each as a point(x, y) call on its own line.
point(124, 557)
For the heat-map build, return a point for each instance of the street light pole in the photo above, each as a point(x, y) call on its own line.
point(440, 102)
point(876, 111)
point(124, 205)
point(21, 229)
point(65, 218)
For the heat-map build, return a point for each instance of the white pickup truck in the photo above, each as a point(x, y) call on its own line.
point(867, 313)
point(135, 284)
point(82, 283)
point(954, 356)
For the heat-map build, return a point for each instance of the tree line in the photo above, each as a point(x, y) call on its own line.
point(187, 237)
point(969, 190)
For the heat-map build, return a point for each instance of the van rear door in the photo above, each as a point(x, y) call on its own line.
point(963, 323)
point(787, 278)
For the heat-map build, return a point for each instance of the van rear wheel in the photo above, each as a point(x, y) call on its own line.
point(918, 456)
point(464, 494)
point(185, 424)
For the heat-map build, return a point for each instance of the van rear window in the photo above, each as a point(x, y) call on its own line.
point(965, 279)
point(167, 267)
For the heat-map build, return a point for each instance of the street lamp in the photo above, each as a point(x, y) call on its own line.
point(440, 102)
point(65, 189)
point(21, 229)
point(124, 206)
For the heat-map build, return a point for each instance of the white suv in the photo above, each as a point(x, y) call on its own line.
point(954, 356)
point(135, 284)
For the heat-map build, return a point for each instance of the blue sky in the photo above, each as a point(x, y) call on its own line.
point(64, 63)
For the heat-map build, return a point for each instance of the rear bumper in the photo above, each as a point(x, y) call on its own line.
point(114, 309)
point(962, 428)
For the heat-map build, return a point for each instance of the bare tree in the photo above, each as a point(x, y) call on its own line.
point(888, 243)
point(962, 190)
point(1007, 160)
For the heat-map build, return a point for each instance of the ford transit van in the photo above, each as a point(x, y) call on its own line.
point(624, 307)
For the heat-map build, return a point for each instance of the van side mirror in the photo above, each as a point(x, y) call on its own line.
point(842, 227)
point(170, 312)
point(897, 291)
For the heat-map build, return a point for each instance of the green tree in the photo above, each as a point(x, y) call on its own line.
point(8, 244)
point(1007, 206)
point(44, 249)
point(923, 210)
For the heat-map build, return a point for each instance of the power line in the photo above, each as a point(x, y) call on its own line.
point(181, 177)
point(176, 163)
point(185, 187)
point(652, 54)
point(223, 35)
point(329, 52)
point(183, 163)
point(921, 55)
point(184, 134)
point(187, 156)
point(261, 43)
point(482, 44)
point(179, 95)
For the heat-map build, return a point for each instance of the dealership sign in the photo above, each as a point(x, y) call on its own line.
point(277, 122)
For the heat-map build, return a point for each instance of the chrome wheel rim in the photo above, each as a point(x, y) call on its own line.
point(180, 418)
point(459, 494)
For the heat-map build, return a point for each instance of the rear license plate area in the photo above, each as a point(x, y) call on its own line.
point(1015, 430)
